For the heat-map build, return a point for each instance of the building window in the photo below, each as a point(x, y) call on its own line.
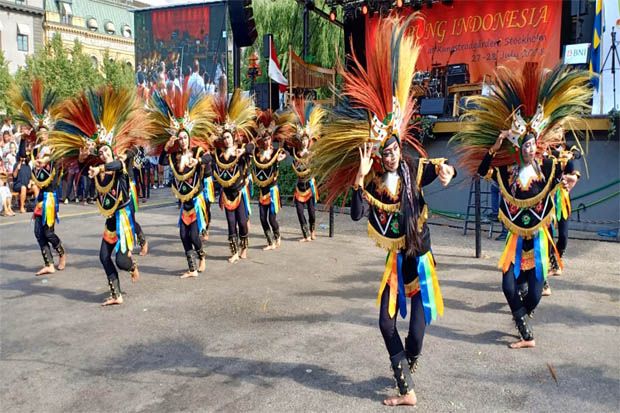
point(126, 31)
point(92, 24)
point(22, 42)
point(94, 61)
point(20, 2)
point(66, 13)
point(109, 27)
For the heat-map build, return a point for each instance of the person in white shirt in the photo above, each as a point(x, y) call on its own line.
point(195, 84)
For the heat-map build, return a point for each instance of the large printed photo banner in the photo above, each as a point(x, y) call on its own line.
point(484, 34)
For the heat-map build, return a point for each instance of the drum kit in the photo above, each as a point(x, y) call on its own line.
point(432, 83)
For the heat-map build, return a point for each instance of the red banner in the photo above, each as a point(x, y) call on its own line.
point(193, 20)
point(484, 34)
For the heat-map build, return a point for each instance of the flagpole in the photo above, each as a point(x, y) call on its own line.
point(269, 63)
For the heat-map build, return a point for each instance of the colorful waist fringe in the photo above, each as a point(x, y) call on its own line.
point(245, 195)
point(133, 194)
point(514, 254)
point(562, 204)
point(208, 189)
point(274, 194)
point(48, 209)
point(198, 213)
point(426, 284)
point(125, 230)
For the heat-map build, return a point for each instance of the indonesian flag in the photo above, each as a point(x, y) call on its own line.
point(274, 67)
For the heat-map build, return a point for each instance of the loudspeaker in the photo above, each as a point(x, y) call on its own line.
point(261, 95)
point(242, 22)
point(266, 45)
point(433, 106)
point(457, 74)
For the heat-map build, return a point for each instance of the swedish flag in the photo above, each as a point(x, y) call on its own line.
point(595, 57)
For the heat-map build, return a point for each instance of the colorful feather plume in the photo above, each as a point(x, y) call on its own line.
point(180, 110)
point(35, 106)
point(235, 116)
point(280, 126)
point(383, 91)
point(524, 100)
point(102, 117)
point(310, 119)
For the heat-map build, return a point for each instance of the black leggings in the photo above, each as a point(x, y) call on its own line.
point(562, 236)
point(268, 220)
point(123, 260)
point(520, 307)
point(190, 237)
point(417, 325)
point(237, 219)
point(45, 237)
point(299, 206)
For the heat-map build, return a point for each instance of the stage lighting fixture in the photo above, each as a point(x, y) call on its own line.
point(332, 14)
point(399, 3)
point(364, 9)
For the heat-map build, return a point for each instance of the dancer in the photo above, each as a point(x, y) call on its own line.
point(102, 124)
point(183, 123)
point(38, 108)
point(265, 162)
point(370, 154)
point(230, 162)
point(128, 160)
point(511, 130)
point(309, 119)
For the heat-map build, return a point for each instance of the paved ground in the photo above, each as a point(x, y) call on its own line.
point(292, 330)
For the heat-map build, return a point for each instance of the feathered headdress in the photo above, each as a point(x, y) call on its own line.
point(36, 106)
point(310, 118)
point(235, 116)
point(102, 117)
point(280, 126)
point(383, 91)
point(526, 102)
point(181, 111)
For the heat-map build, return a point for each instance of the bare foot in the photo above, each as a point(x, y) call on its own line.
point(233, 259)
point(523, 344)
point(408, 399)
point(205, 237)
point(135, 274)
point(202, 265)
point(313, 235)
point(278, 242)
point(269, 247)
point(62, 262)
point(47, 270)
point(557, 272)
point(546, 292)
point(22, 211)
point(305, 239)
point(189, 274)
point(113, 301)
point(145, 249)
point(243, 254)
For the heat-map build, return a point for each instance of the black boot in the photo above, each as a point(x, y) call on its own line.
point(413, 359)
point(524, 329)
point(60, 250)
point(402, 375)
point(141, 239)
point(115, 288)
point(276, 236)
point(269, 237)
point(191, 264)
point(47, 256)
point(305, 232)
point(232, 243)
point(243, 244)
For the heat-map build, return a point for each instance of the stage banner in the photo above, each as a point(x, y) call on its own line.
point(484, 34)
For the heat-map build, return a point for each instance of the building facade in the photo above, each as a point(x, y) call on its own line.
point(21, 30)
point(99, 25)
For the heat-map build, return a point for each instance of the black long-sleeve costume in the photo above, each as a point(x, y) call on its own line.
point(265, 175)
point(305, 192)
point(129, 167)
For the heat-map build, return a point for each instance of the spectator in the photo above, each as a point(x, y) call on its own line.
point(195, 84)
point(7, 125)
point(22, 182)
point(140, 76)
point(6, 197)
point(209, 85)
point(7, 138)
point(10, 158)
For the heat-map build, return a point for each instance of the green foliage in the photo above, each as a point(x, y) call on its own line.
point(116, 73)
point(284, 20)
point(5, 83)
point(614, 124)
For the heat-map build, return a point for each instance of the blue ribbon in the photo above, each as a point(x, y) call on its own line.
point(518, 253)
point(402, 297)
point(538, 256)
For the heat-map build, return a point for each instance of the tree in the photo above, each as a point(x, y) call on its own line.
point(284, 20)
point(117, 73)
point(5, 83)
point(67, 73)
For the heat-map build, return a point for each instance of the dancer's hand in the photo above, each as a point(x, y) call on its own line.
point(445, 174)
point(500, 139)
point(94, 171)
point(569, 181)
point(281, 156)
point(365, 159)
